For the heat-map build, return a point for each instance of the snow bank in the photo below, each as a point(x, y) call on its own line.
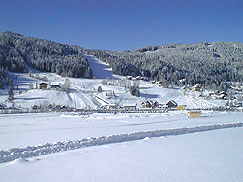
point(49, 148)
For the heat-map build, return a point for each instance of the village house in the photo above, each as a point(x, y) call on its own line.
point(3, 106)
point(171, 104)
point(55, 85)
point(222, 96)
point(129, 77)
point(43, 85)
point(159, 82)
point(138, 78)
point(149, 104)
point(35, 107)
point(196, 87)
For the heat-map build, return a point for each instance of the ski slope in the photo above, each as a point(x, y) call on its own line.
point(99, 68)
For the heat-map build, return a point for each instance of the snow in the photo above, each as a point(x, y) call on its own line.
point(207, 156)
point(50, 148)
point(21, 130)
point(99, 68)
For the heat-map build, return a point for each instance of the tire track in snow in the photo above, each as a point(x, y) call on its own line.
point(50, 148)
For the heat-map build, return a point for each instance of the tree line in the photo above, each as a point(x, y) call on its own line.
point(18, 53)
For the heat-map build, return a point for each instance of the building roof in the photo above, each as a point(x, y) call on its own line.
point(43, 83)
point(172, 101)
point(194, 112)
point(130, 105)
point(54, 84)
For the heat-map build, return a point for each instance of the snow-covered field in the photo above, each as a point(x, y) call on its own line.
point(203, 156)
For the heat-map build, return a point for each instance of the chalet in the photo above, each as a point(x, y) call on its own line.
point(55, 85)
point(56, 108)
point(171, 104)
point(196, 87)
point(138, 78)
point(129, 77)
point(43, 85)
point(145, 104)
point(130, 107)
point(49, 106)
point(35, 107)
point(3, 106)
point(194, 114)
point(149, 104)
point(159, 83)
point(222, 96)
point(223, 92)
point(63, 107)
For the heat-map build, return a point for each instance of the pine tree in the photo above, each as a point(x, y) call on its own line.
point(10, 91)
point(67, 85)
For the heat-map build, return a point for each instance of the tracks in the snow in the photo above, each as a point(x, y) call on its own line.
point(50, 148)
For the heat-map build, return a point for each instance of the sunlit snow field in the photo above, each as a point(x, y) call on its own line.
point(205, 156)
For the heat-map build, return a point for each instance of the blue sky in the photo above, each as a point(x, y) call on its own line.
point(124, 24)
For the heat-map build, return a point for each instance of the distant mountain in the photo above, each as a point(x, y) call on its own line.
point(210, 64)
point(18, 52)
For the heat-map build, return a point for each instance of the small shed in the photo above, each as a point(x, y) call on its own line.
point(43, 85)
point(181, 107)
point(194, 114)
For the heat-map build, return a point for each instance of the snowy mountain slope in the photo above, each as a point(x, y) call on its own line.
point(84, 92)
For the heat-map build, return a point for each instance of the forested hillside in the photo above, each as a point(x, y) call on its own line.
point(210, 64)
point(18, 52)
